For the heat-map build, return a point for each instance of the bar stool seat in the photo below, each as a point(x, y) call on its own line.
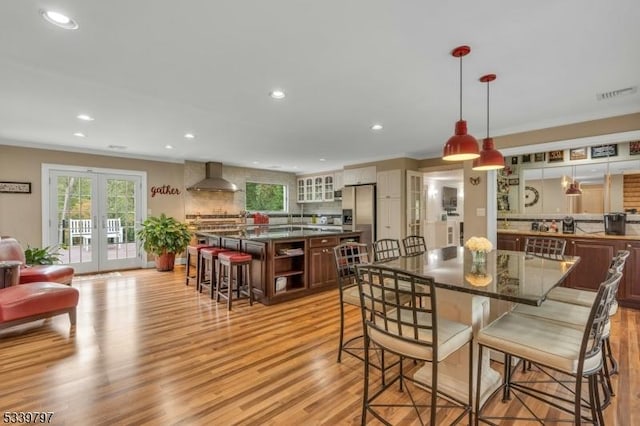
point(208, 260)
point(241, 263)
point(193, 260)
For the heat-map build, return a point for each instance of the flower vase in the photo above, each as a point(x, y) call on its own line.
point(479, 257)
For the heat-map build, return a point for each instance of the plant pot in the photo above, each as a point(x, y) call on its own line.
point(165, 262)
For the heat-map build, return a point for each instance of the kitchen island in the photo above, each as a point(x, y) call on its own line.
point(288, 261)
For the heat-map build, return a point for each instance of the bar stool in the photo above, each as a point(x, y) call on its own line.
point(193, 260)
point(228, 262)
point(208, 260)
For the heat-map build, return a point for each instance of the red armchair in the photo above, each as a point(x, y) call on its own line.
point(10, 249)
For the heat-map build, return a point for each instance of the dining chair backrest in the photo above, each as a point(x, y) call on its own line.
point(395, 305)
point(414, 244)
point(545, 247)
point(347, 255)
point(386, 249)
point(617, 263)
point(595, 331)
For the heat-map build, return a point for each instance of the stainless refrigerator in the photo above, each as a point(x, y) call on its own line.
point(359, 211)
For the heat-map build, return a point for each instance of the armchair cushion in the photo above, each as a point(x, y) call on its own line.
point(10, 249)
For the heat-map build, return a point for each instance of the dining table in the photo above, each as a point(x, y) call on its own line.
point(464, 288)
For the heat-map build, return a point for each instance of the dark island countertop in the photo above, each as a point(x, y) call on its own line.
point(280, 232)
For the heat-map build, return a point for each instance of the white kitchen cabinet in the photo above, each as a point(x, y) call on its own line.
point(328, 188)
point(301, 191)
point(389, 184)
point(389, 218)
point(360, 176)
point(338, 181)
point(315, 189)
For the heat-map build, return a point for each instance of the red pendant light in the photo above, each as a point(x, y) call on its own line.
point(461, 146)
point(490, 158)
point(574, 189)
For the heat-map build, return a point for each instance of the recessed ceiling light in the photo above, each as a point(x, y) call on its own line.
point(323, 159)
point(59, 20)
point(256, 162)
point(79, 134)
point(277, 94)
point(85, 117)
point(169, 146)
point(189, 135)
point(376, 127)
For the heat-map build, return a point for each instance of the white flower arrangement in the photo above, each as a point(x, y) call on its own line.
point(479, 244)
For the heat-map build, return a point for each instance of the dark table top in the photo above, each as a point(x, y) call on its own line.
point(506, 275)
point(266, 233)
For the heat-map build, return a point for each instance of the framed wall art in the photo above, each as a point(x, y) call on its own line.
point(526, 158)
point(556, 156)
point(578, 154)
point(15, 187)
point(634, 148)
point(603, 151)
point(538, 156)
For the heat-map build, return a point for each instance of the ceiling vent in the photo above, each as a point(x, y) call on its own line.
point(617, 93)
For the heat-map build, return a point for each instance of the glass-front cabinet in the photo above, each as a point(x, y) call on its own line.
point(315, 189)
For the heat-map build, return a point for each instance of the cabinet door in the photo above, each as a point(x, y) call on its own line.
point(389, 211)
point(510, 242)
point(630, 288)
point(318, 189)
point(301, 191)
point(595, 256)
point(338, 182)
point(308, 189)
point(328, 188)
point(389, 184)
point(322, 271)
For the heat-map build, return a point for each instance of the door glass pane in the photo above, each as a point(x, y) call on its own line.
point(120, 219)
point(74, 214)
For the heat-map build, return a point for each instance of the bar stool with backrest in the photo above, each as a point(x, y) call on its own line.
point(412, 331)
point(555, 346)
point(414, 245)
point(208, 262)
point(193, 262)
point(386, 249)
point(234, 269)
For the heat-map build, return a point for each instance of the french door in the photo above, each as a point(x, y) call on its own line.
point(92, 216)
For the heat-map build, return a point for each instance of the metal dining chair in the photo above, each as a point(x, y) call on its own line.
point(413, 245)
point(555, 346)
point(399, 313)
point(386, 249)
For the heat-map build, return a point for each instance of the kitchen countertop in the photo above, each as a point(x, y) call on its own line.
point(278, 232)
point(597, 235)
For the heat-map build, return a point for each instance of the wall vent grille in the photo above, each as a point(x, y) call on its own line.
point(617, 93)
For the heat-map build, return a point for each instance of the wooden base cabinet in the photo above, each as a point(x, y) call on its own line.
point(322, 267)
point(631, 288)
point(510, 242)
point(595, 256)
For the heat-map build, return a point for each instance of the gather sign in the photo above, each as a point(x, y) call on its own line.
point(164, 190)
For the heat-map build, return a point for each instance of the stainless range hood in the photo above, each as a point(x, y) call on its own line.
point(213, 180)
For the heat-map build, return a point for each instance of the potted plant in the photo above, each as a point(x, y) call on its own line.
point(42, 256)
point(164, 236)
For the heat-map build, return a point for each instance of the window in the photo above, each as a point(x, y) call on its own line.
point(266, 197)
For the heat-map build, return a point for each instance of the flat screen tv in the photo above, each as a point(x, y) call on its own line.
point(449, 198)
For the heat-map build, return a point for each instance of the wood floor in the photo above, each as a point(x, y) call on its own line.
point(149, 350)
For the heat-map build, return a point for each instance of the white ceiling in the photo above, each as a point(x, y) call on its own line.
point(150, 71)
